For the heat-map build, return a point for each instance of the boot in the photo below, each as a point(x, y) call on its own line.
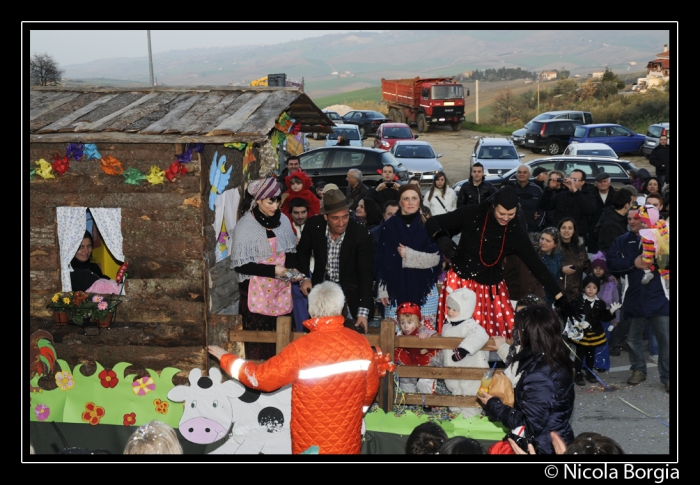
point(589, 376)
point(578, 379)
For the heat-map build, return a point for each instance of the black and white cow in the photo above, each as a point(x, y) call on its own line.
point(252, 422)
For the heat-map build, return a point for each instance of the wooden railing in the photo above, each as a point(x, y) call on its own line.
point(385, 338)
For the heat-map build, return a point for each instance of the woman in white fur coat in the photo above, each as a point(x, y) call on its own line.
point(459, 323)
point(440, 198)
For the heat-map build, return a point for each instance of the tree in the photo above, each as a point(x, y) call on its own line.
point(44, 71)
point(503, 106)
point(610, 77)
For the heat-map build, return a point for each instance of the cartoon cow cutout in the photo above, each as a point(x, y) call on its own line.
point(251, 422)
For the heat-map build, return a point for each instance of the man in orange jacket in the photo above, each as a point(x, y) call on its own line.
point(333, 373)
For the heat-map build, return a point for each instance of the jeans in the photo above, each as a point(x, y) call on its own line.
point(619, 334)
point(660, 327)
point(661, 179)
point(651, 338)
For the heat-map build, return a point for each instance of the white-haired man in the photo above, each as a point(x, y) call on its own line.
point(356, 190)
point(333, 374)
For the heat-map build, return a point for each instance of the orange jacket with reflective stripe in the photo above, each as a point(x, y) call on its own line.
point(334, 380)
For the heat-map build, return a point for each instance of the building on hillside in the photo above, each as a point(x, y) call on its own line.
point(597, 75)
point(180, 294)
point(658, 70)
point(548, 75)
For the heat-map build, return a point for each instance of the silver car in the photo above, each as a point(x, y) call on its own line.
point(497, 155)
point(419, 158)
point(654, 132)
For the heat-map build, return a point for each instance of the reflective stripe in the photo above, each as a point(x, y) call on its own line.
point(235, 367)
point(333, 369)
point(364, 409)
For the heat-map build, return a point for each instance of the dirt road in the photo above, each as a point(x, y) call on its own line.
point(456, 148)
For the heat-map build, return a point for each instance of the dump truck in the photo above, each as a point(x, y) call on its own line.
point(425, 101)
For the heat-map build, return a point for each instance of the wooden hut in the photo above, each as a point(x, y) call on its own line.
point(177, 299)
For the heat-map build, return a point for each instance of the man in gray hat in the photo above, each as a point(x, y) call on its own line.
point(343, 252)
point(603, 194)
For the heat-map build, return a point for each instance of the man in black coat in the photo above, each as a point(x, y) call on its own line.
point(659, 158)
point(577, 202)
point(343, 252)
point(476, 190)
point(613, 222)
point(603, 194)
point(529, 195)
point(388, 189)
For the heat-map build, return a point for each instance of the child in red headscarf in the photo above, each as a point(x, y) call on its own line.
point(411, 324)
point(299, 187)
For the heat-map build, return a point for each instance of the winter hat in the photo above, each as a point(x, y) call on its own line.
point(462, 300)
point(333, 201)
point(507, 197)
point(648, 214)
point(409, 308)
point(538, 171)
point(592, 279)
point(264, 188)
point(600, 262)
point(631, 189)
point(407, 187)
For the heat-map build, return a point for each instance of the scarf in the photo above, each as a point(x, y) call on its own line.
point(404, 284)
point(270, 222)
point(249, 238)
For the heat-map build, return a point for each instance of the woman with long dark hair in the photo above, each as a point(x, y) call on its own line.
point(368, 213)
point(574, 259)
point(441, 198)
point(549, 249)
point(544, 395)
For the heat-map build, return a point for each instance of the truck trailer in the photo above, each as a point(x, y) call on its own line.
point(425, 101)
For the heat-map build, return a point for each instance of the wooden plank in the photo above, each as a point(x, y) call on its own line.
point(120, 137)
point(235, 122)
point(136, 113)
point(67, 120)
point(37, 110)
point(208, 120)
point(220, 273)
point(471, 373)
point(99, 125)
point(264, 118)
point(207, 102)
point(439, 400)
point(172, 117)
point(284, 333)
point(221, 297)
point(253, 336)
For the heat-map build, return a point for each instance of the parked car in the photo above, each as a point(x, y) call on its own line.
point(590, 149)
point(390, 133)
point(654, 132)
point(418, 157)
point(591, 166)
point(584, 116)
point(334, 117)
point(350, 132)
point(367, 121)
point(551, 135)
point(331, 164)
point(617, 137)
point(497, 155)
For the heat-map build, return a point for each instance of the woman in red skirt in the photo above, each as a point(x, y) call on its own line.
point(489, 232)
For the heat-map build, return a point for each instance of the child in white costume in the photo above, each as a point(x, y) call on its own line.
point(459, 323)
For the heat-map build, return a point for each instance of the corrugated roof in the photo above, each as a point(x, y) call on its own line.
point(192, 114)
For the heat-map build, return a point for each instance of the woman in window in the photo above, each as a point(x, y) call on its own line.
point(84, 272)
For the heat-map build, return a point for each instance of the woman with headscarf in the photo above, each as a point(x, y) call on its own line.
point(407, 262)
point(261, 241)
point(489, 232)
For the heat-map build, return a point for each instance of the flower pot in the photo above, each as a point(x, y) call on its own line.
point(105, 322)
point(60, 318)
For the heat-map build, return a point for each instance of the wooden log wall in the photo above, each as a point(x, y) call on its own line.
point(168, 242)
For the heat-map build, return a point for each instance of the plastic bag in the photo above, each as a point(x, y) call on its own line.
point(502, 388)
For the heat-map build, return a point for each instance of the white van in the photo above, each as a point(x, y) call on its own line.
point(350, 132)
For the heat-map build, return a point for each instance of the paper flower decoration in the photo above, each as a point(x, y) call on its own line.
point(248, 158)
point(186, 156)
point(129, 419)
point(45, 169)
point(133, 176)
point(108, 378)
point(155, 175)
point(238, 145)
point(60, 165)
point(161, 406)
point(143, 386)
point(65, 381)
point(295, 128)
point(111, 166)
point(74, 151)
point(218, 177)
point(93, 413)
point(384, 362)
point(90, 151)
point(42, 412)
point(175, 171)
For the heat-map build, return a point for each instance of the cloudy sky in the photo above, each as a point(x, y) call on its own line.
point(70, 47)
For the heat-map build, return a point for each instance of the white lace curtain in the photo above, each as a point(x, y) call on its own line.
point(71, 223)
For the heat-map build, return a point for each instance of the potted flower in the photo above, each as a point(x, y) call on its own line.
point(102, 311)
point(60, 302)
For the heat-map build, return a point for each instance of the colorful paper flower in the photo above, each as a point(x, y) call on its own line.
point(237, 145)
point(111, 166)
point(45, 169)
point(60, 165)
point(74, 151)
point(108, 378)
point(155, 175)
point(129, 419)
point(143, 386)
point(42, 412)
point(248, 158)
point(133, 176)
point(97, 298)
point(161, 406)
point(90, 151)
point(175, 171)
point(93, 413)
point(64, 380)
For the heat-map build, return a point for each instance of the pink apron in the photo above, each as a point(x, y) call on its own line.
point(270, 296)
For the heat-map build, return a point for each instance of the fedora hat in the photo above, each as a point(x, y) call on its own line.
point(333, 201)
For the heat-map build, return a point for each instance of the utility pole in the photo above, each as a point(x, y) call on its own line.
point(538, 95)
point(150, 57)
point(477, 101)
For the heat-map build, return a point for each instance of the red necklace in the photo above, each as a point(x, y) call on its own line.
point(481, 244)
